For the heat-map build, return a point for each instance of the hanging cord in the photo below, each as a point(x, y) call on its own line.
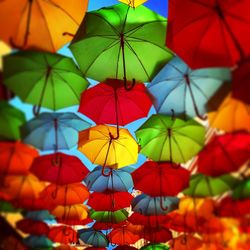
point(106, 157)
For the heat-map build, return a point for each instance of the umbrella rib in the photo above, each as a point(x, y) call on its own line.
point(239, 18)
point(202, 4)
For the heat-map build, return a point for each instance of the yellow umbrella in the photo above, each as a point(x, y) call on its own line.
point(133, 3)
point(232, 115)
point(102, 146)
point(4, 50)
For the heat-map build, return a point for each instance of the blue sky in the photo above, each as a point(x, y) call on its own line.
point(159, 6)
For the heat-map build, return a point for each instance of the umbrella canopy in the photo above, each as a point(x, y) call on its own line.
point(203, 186)
point(39, 215)
point(51, 80)
point(64, 247)
point(5, 94)
point(102, 145)
point(122, 236)
point(110, 103)
point(40, 24)
point(167, 179)
point(224, 153)
point(37, 242)
point(155, 247)
point(157, 235)
point(59, 168)
point(7, 207)
point(92, 237)
point(199, 22)
point(133, 4)
point(147, 205)
point(11, 119)
point(125, 247)
point(33, 227)
point(16, 158)
point(186, 242)
point(108, 216)
point(21, 187)
point(128, 41)
point(232, 115)
point(242, 191)
point(62, 234)
point(4, 49)
point(109, 201)
point(163, 138)
point(192, 88)
point(70, 194)
point(53, 131)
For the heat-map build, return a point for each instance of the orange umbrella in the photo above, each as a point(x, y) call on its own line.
point(16, 157)
point(185, 242)
point(72, 212)
point(22, 187)
point(65, 247)
point(232, 115)
point(63, 234)
point(38, 24)
point(75, 193)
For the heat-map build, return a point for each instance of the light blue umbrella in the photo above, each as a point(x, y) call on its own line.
point(119, 181)
point(53, 131)
point(39, 215)
point(37, 242)
point(147, 205)
point(184, 91)
point(92, 237)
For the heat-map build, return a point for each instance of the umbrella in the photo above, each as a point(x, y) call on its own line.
point(39, 215)
point(37, 242)
point(147, 205)
point(53, 131)
point(242, 190)
point(92, 237)
point(155, 247)
point(4, 50)
point(157, 235)
point(192, 88)
point(122, 236)
point(5, 94)
point(185, 242)
point(125, 247)
point(70, 194)
point(224, 153)
point(163, 138)
point(7, 207)
point(128, 41)
point(120, 180)
point(29, 226)
point(199, 22)
point(40, 24)
point(21, 187)
point(203, 186)
point(133, 4)
point(110, 103)
point(232, 115)
point(72, 212)
point(160, 179)
point(16, 158)
point(102, 145)
point(62, 234)
point(74, 222)
point(51, 80)
point(11, 119)
point(59, 168)
point(65, 247)
point(109, 201)
point(108, 225)
point(108, 216)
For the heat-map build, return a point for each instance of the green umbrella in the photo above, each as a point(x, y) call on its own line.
point(7, 207)
point(121, 42)
point(44, 79)
point(164, 138)
point(155, 247)
point(242, 191)
point(11, 119)
point(203, 186)
point(108, 216)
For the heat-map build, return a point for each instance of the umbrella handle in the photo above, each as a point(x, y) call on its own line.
point(128, 88)
point(57, 161)
point(203, 118)
point(65, 232)
point(54, 194)
point(68, 34)
point(14, 45)
point(162, 204)
point(36, 110)
point(104, 174)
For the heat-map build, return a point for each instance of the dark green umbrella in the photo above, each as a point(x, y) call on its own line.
point(122, 43)
point(155, 247)
point(7, 207)
point(108, 216)
point(44, 79)
point(11, 119)
point(165, 138)
point(203, 186)
point(242, 191)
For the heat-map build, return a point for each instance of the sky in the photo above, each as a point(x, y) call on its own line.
point(159, 6)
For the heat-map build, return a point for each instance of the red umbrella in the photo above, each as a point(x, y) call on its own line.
point(224, 154)
point(111, 103)
point(241, 81)
point(59, 168)
point(63, 234)
point(33, 227)
point(160, 178)
point(109, 201)
point(198, 23)
point(125, 247)
point(106, 225)
point(74, 222)
point(159, 235)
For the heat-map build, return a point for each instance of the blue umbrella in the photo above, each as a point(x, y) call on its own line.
point(53, 131)
point(119, 180)
point(91, 237)
point(185, 91)
point(147, 205)
point(37, 242)
point(39, 215)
